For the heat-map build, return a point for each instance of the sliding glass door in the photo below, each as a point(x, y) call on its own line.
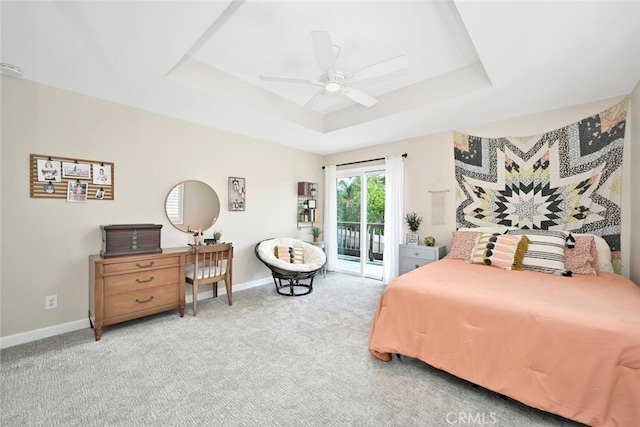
point(360, 225)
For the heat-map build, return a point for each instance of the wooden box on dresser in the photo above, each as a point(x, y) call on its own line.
point(128, 287)
point(414, 256)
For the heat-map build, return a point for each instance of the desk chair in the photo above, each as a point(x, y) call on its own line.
point(211, 264)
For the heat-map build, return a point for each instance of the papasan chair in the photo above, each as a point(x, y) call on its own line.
point(291, 260)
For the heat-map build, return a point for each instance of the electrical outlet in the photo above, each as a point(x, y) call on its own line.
point(50, 302)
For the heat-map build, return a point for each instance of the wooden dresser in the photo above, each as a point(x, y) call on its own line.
point(128, 287)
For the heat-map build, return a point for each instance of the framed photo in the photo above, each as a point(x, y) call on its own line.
point(311, 203)
point(49, 188)
point(49, 170)
point(101, 174)
point(100, 193)
point(77, 191)
point(237, 194)
point(76, 170)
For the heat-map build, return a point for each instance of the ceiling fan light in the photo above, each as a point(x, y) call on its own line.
point(332, 87)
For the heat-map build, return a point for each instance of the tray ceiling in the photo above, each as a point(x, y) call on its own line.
point(469, 62)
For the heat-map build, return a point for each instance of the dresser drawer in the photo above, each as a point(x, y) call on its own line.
point(428, 253)
point(140, 280)
point(143, 299)
point(138, 265)
point(410, 264)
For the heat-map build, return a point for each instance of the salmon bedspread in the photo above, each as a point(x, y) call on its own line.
point(566, 345)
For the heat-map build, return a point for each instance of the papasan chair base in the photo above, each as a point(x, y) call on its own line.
point(287, 277)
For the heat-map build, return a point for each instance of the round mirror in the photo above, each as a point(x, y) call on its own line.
point(191, 205)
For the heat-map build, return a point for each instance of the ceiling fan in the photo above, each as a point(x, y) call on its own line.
point(333, 80)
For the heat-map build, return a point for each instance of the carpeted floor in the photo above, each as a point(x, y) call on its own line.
point(268, 360)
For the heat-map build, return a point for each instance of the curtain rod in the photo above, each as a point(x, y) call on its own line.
point(366, 161)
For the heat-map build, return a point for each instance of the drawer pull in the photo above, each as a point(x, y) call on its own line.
point(417, 266)
point(144, 281)
point(145, 266)
point(417, 253)
point(143, 301)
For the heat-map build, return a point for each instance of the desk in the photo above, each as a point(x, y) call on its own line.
point(132, 286)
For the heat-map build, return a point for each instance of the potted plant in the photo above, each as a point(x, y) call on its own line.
point(217, 234)
point(316, 232)
point(413, 221)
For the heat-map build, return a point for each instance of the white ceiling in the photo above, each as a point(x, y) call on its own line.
point(470, 62)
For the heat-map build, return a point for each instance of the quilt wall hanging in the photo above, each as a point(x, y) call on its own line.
point(566, 179)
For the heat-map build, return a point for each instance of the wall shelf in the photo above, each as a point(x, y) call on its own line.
point(307, 209)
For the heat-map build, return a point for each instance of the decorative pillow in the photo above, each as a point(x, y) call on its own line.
point(604, 253)
point(463, 244)
point(583, 258)
point(289, 254)
point(546, 250)
point(500, 250)
point(297, 256)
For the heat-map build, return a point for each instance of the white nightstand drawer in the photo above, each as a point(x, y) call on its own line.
point(421, 252)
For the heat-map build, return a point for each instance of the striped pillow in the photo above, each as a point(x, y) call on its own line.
point(289, 254)
point(546, 250)
point(499, 250)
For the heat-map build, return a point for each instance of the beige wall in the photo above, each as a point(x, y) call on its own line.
point(429, 164)
point(46, 242)
point(634, 185)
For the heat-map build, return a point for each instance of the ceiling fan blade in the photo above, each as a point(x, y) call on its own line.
point(323, 48)
point(314, 100)
point(381, 68)
point(359, 96)
point(289, 80)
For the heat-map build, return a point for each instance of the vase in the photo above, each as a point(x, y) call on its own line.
point(429, 241)
point(412, 239)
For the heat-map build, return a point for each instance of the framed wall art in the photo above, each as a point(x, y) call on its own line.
point(237, 194)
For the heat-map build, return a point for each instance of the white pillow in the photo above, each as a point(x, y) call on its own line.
point(604, 253)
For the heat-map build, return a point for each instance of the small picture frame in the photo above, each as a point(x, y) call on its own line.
point(49, 170)
point(49, 188)
point(237, 193)
point(311, 203)
point(100, 193)
point(76, 170)
point(77, 191)
point(101, 174)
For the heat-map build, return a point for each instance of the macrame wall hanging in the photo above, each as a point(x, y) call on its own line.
point(438, 200)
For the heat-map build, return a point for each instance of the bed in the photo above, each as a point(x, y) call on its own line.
point(566, 345)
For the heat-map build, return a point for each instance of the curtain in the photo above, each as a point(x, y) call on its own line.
point(331, 217)
point(393, 216)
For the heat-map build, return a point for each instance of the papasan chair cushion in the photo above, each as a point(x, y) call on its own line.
point(314, 260)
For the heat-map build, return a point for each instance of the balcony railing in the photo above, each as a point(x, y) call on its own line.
point(349, 239)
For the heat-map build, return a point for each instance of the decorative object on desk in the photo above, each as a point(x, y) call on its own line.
point(313, 192)
point(237, 194)
point(413, 221)
point(217, 235)
point(316, 232)
point(430, 241)
point(197, 236)
point(130, 239)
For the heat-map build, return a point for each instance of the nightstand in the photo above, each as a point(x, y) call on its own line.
point(414, 256)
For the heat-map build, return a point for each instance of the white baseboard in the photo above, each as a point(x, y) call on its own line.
point(76, 325)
